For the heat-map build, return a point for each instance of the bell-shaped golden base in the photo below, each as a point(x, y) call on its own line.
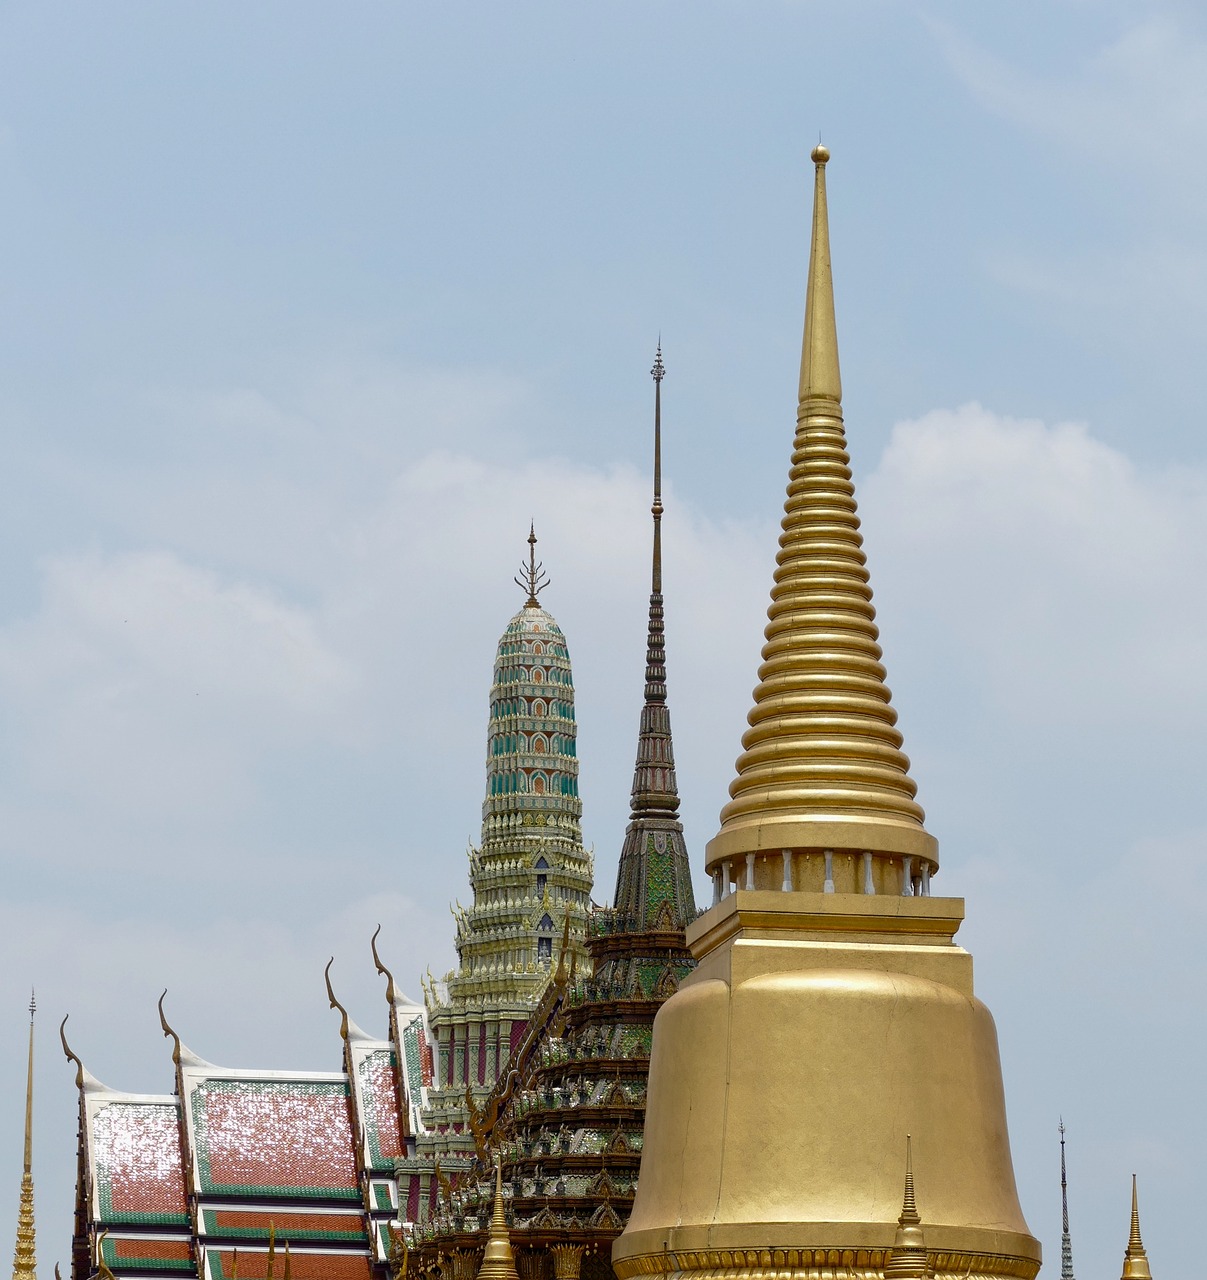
point(817, 1032)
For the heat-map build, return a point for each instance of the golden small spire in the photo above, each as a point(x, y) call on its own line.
point(498, 1260)
point(1135, 1260)
point(822, 765)
point(25, 1265)
point(908, 1261)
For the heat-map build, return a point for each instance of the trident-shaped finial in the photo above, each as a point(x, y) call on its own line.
point(535, 579)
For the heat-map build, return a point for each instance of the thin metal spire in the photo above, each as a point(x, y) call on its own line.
point(1066, 1243)
point(658, 372)
point(535, 579)
point(655, 790)
point(25, 1266)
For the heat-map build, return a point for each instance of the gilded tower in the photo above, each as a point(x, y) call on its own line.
point(531, 882)
point(831, 1013)
point(1135, 1258)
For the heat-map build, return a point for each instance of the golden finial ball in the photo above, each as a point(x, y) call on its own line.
point(820, 154)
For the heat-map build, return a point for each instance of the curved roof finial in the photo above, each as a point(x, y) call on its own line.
point(535, 579)
point(560, 975)
point(391, 989)
point(71, 1055)
point(102, 1267)
point(169, 1034)
point(335, 1004)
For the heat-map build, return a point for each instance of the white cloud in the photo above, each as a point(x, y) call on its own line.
point(147, 684)
point(1138, 104)
point(1051, 567)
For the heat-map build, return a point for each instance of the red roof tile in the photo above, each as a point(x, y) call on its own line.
point(378, 1096)
point(304, 1266)
point(135, 1149)
point(259, 1135)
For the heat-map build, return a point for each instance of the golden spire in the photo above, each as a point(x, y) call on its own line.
point(908, 1258)
point(1135, 1260)
point(822, 766)
point(498, 1260)
point(25, 1265)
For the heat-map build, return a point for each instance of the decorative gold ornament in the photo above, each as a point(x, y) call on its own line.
point(822, 766)
point(1135, 1260)
point(498, 1260)
point(831, 1012)
point(25, 1265)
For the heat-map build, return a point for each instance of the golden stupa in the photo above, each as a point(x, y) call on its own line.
point(1135, 1259)
point(831, 1014)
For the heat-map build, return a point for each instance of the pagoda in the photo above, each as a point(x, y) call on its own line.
point(531, 882)
point(831, 1013)
point(566, 1123)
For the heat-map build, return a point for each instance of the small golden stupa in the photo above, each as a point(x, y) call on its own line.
point(498, 1259)
point(1135, 1260)
point(831, 1012)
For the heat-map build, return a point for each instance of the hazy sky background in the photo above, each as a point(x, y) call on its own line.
point(306, 309)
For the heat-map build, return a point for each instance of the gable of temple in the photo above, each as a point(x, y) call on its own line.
point(235, 1164)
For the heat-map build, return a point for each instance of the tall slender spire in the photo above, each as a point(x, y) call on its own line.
point(653, 878)
point(1066, 1243)
point(1135, 1260)
point(25, 1265)
point(498, 1259)
point(822, 764)
point(908, 1259)
point(655, 791)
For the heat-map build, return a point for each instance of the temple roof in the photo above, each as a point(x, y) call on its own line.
point(257, 1133)
point(134, 1156)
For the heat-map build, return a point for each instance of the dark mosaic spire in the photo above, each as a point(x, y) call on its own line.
point(653, 884)
point(655, 791)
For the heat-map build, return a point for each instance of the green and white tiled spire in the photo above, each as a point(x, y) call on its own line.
point(531, 882)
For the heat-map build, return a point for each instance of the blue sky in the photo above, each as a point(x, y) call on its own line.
point(306, 309)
